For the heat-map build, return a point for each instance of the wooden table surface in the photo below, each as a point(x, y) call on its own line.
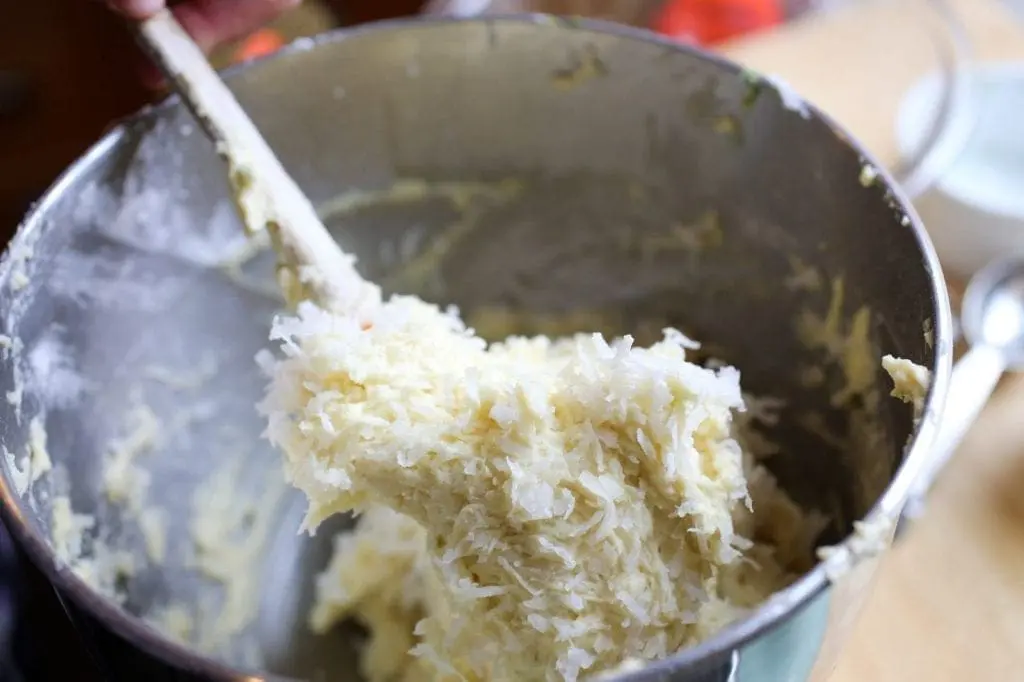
point(949, 601)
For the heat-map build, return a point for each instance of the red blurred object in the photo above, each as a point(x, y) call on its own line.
point(708, 22)
point(259, 44)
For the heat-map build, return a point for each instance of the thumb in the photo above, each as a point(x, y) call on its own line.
point(214, 22)
point(137, 9)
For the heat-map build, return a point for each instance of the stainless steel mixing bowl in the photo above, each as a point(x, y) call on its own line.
point(542, 166)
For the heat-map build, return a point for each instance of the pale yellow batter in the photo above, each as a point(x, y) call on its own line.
point(536, 510)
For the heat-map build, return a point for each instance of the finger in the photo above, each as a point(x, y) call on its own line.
point(137, 9)
point(213, 22)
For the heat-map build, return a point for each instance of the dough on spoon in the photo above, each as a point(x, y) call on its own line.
point(582, 503)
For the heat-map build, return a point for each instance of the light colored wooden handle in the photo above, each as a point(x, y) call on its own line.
point(311, 262)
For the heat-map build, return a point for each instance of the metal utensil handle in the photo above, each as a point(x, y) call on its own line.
point(974, 379)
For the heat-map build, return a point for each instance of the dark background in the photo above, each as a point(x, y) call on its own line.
point(68, 68)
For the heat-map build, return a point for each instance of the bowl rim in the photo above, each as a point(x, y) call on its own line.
point(769, 615)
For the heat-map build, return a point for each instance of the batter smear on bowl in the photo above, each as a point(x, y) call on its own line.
point(533, 510)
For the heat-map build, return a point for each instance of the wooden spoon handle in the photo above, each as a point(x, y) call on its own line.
point(311, 264)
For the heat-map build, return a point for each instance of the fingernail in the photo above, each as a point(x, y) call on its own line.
point(139, 9)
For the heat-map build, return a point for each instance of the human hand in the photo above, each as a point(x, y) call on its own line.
point(211, 22)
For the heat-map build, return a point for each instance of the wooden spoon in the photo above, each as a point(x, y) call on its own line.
point(310, 262)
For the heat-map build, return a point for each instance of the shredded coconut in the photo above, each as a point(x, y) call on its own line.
point(910, 381)
point(39, 461)
point(577, 503)
point(93, 561)
point(125, 483)
point(19, 472)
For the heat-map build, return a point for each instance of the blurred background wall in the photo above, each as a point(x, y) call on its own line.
point(68, 69)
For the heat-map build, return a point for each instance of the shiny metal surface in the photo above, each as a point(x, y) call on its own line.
point(992, 315)
point(993, 309)
point(947, 132)
point(617, 174)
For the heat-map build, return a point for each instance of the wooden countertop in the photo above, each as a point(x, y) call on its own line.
point(949, 601)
